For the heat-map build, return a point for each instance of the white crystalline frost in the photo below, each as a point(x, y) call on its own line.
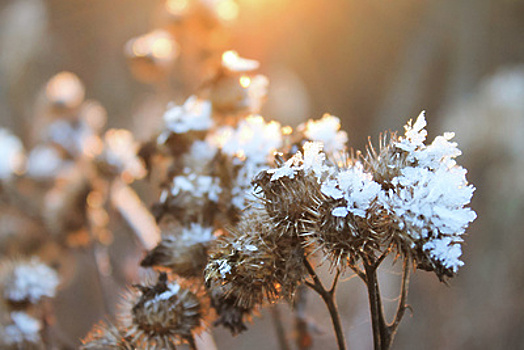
point(356, 187)
point(197, 233)
point(447, 251)
point(30, 281)
point(431, 202)
point(11, 154)
point(312, 162)
point(327, 130)
point(314, 159)
point(415, 134)
point(200, 186)
point(172, 290)
point(23, 329)
point(253, 139)
point(195, 114)
point(288, 169)
point(224, 268)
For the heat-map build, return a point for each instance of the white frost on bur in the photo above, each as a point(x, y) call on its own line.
point(253, 139)
point(43, 162)
point(430, 196)
point(223, 267)
point(251, 248)
point(415, 134)
point(172, 290)
point(356, 187)
point(315, 159)
point(194, 114)
point(11, 154)
point(447, 251)
point(312, 162)
point(24, 329)
point(197, 233)
point(30, 280)
point(431, 202)
point(326, 130)
point(242, 192)
point(200, 186)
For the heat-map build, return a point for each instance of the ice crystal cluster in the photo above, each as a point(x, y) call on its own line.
point(406, 195)
point(28, 281)
point(24, 285)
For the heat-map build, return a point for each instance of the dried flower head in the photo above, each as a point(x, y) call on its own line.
point(106, 336)
point(27, 281)
point(251, 266)
point(184, 254)
point(164, 315)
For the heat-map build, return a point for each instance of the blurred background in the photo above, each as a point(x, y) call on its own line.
point(374, 64)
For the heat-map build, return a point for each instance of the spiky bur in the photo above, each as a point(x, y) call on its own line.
point(106, 336)
point(163, 315)
point(184, 253)
point(251, 266)
point(428, 200)
point(407, 196)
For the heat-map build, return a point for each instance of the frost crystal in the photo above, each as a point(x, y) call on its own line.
point(430, 195)
point(199, 186)
point(30, 281)
point(327, 131)
point(253, 139)
point(447, 251)
point(172, 290)
point(356, 187)
point(195, 115)
point(23, 329)
point(313, 161)
point(197, 233)
point(11, 154)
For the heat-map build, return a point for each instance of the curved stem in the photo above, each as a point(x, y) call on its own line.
point(329, 300)
point(402, 306)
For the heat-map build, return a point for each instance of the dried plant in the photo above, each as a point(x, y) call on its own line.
point(246, 208)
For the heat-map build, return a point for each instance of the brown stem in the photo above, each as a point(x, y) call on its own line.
point(383, 334)
point(374, 305)
point(191, 342)
point(304, 340)
point(329, 300)
point(402, 306)
point(279, 327)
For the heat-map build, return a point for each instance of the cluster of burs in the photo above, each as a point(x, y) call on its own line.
point(248, 202)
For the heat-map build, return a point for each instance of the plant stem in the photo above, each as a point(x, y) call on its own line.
point(304, 340)
point(383, 334)
point(374, 305)
point(329, 300)
point(279, 327)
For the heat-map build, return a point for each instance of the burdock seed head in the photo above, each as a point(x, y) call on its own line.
point(163, 315)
